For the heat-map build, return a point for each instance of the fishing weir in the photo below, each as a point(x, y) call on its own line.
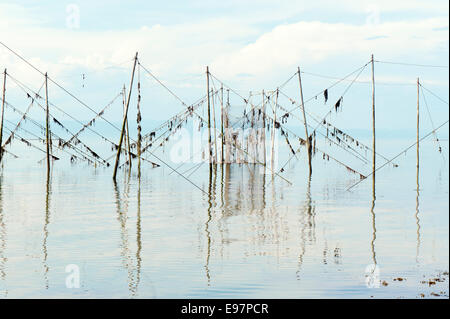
point(240, 129)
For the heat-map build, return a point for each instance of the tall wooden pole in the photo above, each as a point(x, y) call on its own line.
point(373, 118)
point(3, 113)
point(227, 129)
point(272, 150)
point(139, 128)
point(214, 126)
point(124, 103)
point(119, 149)
point(129, 147)
point(308, 144)
point(221, 121)
point(209, 120)
point(417, 176)
point(47, 125)
point(417, 169)
point(263, 133)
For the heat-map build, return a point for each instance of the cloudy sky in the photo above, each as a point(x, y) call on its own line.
point(250, 45)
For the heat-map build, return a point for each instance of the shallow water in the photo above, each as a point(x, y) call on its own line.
point(254, 237)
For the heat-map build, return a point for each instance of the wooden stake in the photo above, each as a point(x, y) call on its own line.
point(3, 113)
point(308, 144)
point(124, 103)
point(251, 140)
point(139, 128)
point(116, 165)
point(417, 176)
point(227, 129)
point(129, 146)
point(209, 119)
point(374, 233)
point(214, 127)
point(127, 136)
point(221, 121)
point(263, 133)
point(373, 118)
point(417, 169)
point(272, 151)
point(47, 125)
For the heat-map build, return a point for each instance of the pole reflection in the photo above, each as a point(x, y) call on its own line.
point(138, 240)
point(307, 226)
point(3, 258)
point(266, 225)
point(45, 230)
point(122, 207)
point(208, 220)
point(416, 215)
point(374, 228)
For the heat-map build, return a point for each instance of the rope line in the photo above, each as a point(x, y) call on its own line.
point(413, 64)
point(434, 94)
point(405, 150)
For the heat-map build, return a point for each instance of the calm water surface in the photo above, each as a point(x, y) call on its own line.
point(254, 237)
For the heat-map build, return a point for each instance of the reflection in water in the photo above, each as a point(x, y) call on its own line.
point(374, 228)
point(211, 194)
point(256, 238)
point(225, 200)
point(45, 230)
point(122, 216)
point(307, 227)
point(418, 225)
point(138, 239)
point(417, 206)
point(3, 258)
point(267, 226)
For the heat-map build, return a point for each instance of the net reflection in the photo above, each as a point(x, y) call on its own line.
point(3, 258)
point(131, 263)
point(45, 229)
point(374, 228)
point(251, 220)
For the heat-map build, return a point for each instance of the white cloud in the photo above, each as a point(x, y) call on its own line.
point(231, 45)
point(312, 42)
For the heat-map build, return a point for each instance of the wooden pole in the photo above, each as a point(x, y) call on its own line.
point(417, 176)
point(417, 169)
point(127, 139)
point(209, 119)
point(116, 165)
point(47, 125)
point(374, 232)
point(251, 151)
point(272, 150)
point(139, 128)
point(214, 127)
point(129, 146)
point(221, 122)
point(3, 113)
point(227, 129)
point(263, 133)
point(124, 103)
point(373, 117)
point(308, 144)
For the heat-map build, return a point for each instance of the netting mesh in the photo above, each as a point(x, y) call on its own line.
point(245, 134)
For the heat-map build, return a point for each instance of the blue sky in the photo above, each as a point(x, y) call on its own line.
point(250, 45)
